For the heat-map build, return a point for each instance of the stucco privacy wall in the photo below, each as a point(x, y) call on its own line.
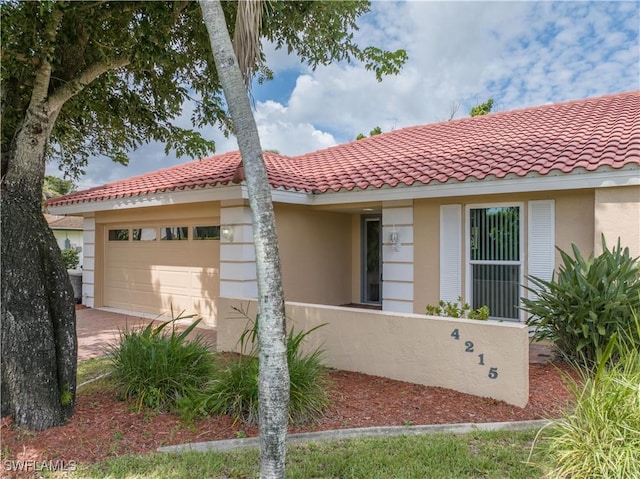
point(617, 215)
point(574, 223)
point(483, 358)
point(154, 276)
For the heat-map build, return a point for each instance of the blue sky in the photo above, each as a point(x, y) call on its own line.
point(460, 53)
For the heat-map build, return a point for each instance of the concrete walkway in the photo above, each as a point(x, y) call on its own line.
point(98, 329)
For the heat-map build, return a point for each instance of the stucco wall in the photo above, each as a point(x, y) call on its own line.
point(484, 358)
point(315, 253)
point(574, 223)
point(617, 215)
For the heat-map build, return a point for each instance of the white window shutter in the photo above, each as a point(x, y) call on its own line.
point(541, 239)
point(450, 252)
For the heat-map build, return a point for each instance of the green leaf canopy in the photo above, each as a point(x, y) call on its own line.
point(157, 57)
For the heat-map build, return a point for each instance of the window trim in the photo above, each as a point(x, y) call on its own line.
point(110, 228)
point(468, 262)
point(198, 225)
point(140, 240)
point(165, 239)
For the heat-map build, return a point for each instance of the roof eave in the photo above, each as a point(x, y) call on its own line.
point(577, 179)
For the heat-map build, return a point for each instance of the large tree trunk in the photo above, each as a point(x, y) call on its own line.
point(39, 345)
point(273, 371)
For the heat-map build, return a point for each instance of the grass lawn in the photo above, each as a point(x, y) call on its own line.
point(480, 454)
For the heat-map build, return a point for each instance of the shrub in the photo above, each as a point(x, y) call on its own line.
point(458, 310)
point(590, 300)
point(157, 369)
point(70, 258)
point(600, 436)
point(234, 390)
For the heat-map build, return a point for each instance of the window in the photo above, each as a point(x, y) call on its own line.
point(121, 234)
point(206, 232)
point(495, 260)
point(144, 234)
point(174, 233)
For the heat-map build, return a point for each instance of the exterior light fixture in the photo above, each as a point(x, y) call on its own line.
point(394, 239)
point(226, 233)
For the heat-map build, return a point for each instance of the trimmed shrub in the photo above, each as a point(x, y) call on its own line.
point(589, 301)
point(234, 389)
point(158, 369)
point(600, 436)
point(458, 310)
point(71, 258)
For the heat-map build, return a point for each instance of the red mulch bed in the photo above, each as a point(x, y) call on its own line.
point(104, 427)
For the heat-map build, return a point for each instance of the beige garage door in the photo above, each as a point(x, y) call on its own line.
point(154, 268)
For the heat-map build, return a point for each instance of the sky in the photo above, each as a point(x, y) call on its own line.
point(521, 54)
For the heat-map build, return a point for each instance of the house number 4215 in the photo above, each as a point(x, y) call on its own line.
point(469, 348)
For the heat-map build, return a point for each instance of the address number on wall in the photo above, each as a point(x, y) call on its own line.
point(469, 347)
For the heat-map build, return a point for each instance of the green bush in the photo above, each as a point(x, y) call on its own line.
point(234, 389)
point(589, 301)
point(600, 436)
point(458, 310)
point(71, 258)
point(158, 369)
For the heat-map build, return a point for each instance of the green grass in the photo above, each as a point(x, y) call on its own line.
point(91, 369)
point(97, 374)
point(480, 454)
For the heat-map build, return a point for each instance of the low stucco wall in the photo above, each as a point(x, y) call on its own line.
point(483, 358)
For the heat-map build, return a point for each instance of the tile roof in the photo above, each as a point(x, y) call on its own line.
point(64, 222)
point(582, 134)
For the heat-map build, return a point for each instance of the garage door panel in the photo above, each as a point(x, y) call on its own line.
point(152, 276)
point(205, 280)
point(117, 297)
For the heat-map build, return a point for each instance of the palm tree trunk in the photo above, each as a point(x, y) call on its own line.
point(273, 372)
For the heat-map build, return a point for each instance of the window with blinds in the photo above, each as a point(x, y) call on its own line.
point(495, 260)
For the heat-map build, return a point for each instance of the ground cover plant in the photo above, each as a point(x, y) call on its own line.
point(586, 303)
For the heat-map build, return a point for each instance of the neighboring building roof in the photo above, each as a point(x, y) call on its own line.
point(583, 134)
point(64, 222)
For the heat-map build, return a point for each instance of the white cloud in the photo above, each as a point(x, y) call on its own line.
point(278, 132)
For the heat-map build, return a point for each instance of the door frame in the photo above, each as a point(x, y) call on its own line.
point(364, 296)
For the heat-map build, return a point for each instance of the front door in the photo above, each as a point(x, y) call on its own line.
point(371, 259)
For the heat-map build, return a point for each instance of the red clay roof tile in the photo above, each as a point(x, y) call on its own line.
point(586, 134)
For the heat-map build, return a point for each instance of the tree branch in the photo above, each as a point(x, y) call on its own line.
point(43, 73)
point(84, 78)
